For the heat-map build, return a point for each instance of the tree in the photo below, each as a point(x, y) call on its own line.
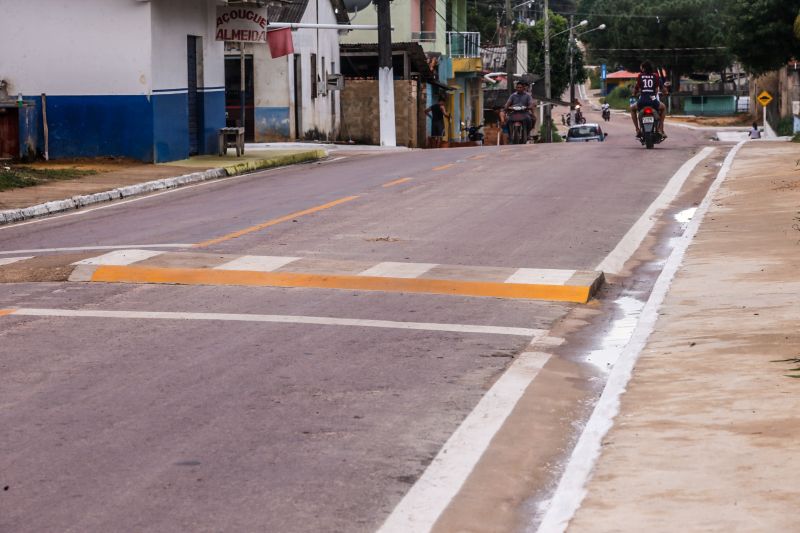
point(559, 58)
point(761, 33)
point(682, 36)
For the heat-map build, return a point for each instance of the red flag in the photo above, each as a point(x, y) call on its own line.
point(280, 42)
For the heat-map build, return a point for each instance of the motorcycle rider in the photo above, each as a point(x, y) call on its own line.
point(522, 98)
point(606, 109)
point(648, 86)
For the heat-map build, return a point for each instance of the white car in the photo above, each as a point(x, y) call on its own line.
point(586, 133)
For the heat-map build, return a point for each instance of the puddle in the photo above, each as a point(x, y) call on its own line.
point(618, 334)
point(685, 216)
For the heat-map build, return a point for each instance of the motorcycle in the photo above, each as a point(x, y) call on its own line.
point(579, 118)
point(607, 114)
point(474, 133)
point(517, 128)
point(648, 125)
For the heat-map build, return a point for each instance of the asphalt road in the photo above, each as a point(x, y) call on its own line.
point(155, 424)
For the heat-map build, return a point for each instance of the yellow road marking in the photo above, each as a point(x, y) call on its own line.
point(479, 156)
point(197, 276)
point(4, 312)
point(397, 182)
point(273, 222)
point(442, 167)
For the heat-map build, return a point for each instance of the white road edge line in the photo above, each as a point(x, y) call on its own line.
point(614, 261)
point(282, 319)
point(146, 196)
point(11, 260)
point(87, 248)
point(421, 507)
point(572, 488)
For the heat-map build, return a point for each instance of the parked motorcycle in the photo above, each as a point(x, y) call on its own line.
point(517, 128)
point(474, 133)
point(649, 126)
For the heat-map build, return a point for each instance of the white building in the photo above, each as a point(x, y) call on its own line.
point(134, 78)
point(288, 98)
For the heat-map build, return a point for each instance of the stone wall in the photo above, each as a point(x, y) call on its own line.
point(360, 112)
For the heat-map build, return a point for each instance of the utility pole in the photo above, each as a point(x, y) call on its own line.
point(571, 78)
point(546, 121)
point(385, 75)
point(510, 55)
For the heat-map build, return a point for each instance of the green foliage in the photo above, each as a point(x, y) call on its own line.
point(18, 177)
point(667, 24)
point(619, 98)
point(482, 17)
point(761, 33)
point(594, 79)
point(559, 57)
point(556, 137)
point(786, 126)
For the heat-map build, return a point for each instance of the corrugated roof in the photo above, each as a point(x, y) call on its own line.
point(622, 75)
point(293, 10)
point(419, 62)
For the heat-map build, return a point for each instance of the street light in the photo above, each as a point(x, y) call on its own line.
point(547, 122)
point(571, 69)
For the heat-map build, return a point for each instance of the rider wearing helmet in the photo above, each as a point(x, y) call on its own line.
point(648, 86)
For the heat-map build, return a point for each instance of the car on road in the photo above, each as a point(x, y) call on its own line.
point(585, 133)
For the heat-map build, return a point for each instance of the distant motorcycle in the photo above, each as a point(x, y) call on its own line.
point(474, 133)
point(579, 118)
point(607, 114)
point(517, 129)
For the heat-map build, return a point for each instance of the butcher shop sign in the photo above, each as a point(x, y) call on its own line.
point(242, 24)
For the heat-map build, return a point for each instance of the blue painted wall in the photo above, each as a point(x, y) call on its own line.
point(170, 127)
point(272, 124)
point(154, 129)
point(89, 126)
point(213, 119)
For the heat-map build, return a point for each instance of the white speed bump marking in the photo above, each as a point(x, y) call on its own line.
point(120, 257)
point(541, 275)
point(257, 263)
point(390, 269)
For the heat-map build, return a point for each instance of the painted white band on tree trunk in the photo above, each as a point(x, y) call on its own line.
point(386, 98)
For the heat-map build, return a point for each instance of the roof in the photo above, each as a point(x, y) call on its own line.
point(416, 55)
point(293, 10)
point(622, 75)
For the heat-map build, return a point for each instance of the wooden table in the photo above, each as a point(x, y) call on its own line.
point(231, 137)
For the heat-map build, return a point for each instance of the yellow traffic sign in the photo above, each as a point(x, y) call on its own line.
point(764, 98)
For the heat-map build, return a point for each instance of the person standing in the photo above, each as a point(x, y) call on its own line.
point(438, 113)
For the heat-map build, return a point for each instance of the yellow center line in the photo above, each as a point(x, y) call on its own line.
point(273, 222)
point(397, 182)
point(442, 167)
point(4, 312)
point(479, 156)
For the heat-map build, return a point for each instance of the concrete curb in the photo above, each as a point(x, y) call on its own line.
point(76, 202)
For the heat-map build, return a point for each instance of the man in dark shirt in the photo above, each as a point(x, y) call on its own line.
point(648, 86)
point(437, 113)
point(522, 98)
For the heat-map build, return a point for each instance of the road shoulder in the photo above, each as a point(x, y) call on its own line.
point(706, 437)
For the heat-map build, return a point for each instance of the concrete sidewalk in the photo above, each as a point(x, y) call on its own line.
point(117, 180)
point(708, 434)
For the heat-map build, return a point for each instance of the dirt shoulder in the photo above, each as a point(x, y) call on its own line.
point(707, 438)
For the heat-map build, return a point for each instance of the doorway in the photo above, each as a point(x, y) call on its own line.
point(9, 133)
point(194, 59)
point(233, 95)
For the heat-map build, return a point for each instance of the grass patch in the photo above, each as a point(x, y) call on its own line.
point(16, 177)
point(619, 98)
